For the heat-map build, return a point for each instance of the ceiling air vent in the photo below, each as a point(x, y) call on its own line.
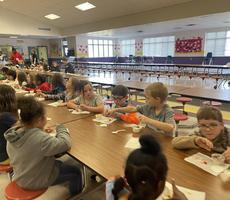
point(44, 29)
point(190, 24)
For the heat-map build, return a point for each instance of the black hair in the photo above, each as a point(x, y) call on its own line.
point(5, 70)
point(12, 73)
point(8, 101)
point(145, 168)
point(58, 81)
point(30, 109)
point(120, 90)
point(40, 78)
point(21, 77)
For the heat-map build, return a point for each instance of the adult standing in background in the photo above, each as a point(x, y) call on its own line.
point(16, 57)
point(69, 68)
point(33, 57)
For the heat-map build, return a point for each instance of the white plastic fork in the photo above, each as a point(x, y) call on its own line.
point(117, 131)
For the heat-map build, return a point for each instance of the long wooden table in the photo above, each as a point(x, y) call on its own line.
point(104, 152)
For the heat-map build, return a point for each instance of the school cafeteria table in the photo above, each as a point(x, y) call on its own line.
point(209, 94)
point(139, 85)
point(104, 152)
point(61, 115)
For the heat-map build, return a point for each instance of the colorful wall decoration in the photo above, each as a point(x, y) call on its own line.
point(138, 48)
point(82, 51)
point(189, 46)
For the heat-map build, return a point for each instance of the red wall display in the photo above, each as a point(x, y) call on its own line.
point(193, 45)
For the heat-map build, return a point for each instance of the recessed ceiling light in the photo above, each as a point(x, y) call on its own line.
point(13, 37)
point(52, 16)
point(85, 6)
point(1, 0)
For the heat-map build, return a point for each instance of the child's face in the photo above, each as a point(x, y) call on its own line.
point(10, 78)
point(151, 100)
point(120, 101)
point(88, 91)
point(210, 128)
point(68, 84)
point(28, 78)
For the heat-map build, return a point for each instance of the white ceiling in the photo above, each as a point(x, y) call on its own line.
point(70, 16)
point(26, 17)
point(213, 21)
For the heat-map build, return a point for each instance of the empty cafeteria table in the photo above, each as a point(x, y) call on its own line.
point(139, 85)
point(209, 94)
point(104, 152)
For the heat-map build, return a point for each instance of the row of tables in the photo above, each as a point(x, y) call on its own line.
point(194, 92)
point(104, 152)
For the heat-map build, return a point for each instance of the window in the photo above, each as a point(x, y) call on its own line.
point(218, 43)
point(159, 46)
point(100, 48)
point(127, 47)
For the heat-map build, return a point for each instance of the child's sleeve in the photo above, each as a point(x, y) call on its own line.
point(98, 100)
point(184, 142)
point(169, 117)
point(51, 146)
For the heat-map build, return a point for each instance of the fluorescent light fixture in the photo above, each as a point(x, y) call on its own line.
point(85, 6)
point(52, 16)
point(13, 37)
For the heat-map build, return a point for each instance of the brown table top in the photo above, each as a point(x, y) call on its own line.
point(61, 115)
point(209, 94)
point(105, 153)
point(139, 85)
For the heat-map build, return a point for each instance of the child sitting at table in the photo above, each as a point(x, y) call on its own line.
point(72, 90)
point(8, 117)
point(144, 175)
point(32, 151)
point(120, 98)
point(58, 89)
point(11, 75)
point(155, 112)
point(211, 136)
point(30, 79)
point(22, 79)
point(41, 84)
point(88, 100)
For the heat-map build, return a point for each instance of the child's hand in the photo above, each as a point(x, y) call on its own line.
point(226, 154)
point(143, 119)
point(177, 194)
point(108, 112)
point(84, 107)
point(49, 130)
point(204, 143)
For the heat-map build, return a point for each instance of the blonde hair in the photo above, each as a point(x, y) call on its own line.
point(157, 90)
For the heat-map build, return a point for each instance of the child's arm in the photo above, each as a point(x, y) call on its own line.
point(72, 104)
point(51, 146)
point(97, 109)
point(127, 109)
point(166, 127)
point(192, 141)
point(227, 155)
